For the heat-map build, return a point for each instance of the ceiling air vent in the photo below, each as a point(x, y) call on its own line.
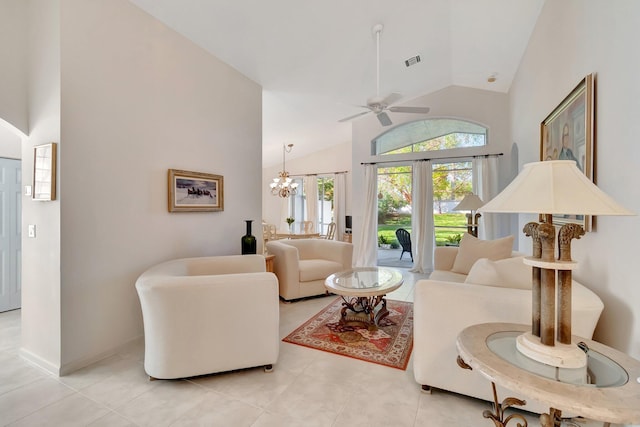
point(412, 61)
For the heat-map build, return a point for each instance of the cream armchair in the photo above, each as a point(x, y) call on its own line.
point(210, 314)
point(302, 265)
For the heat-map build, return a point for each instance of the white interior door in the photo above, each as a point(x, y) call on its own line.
point(10, 235)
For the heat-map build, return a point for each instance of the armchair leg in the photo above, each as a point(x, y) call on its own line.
point(268, 368)
point(426, 389)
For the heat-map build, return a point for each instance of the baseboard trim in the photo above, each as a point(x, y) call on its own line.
point(70, 367)
point(40, 362)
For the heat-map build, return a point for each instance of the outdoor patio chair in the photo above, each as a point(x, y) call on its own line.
point(405, 241)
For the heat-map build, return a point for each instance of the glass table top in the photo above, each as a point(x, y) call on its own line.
point(367, 278)
point(601, 370)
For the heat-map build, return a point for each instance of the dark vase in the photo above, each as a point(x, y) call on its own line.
point(248, 241)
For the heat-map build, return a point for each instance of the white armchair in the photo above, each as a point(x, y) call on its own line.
point(302, 265)
point(209, 314)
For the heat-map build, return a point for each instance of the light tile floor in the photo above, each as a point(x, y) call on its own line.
point(306, 388)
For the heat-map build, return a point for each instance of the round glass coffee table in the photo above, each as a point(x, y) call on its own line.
point(363, 290)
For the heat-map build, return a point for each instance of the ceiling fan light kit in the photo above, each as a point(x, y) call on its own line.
point(380, 105)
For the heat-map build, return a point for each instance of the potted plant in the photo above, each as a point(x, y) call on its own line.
point(383, 242)
point(454, 239)
point(290, 220)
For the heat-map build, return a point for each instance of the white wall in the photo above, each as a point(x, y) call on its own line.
point(138, 99)
point(572, 39)
point(487, 108)
point(333, 159)
point(13, 86)
point(10, 143)
point(41, 326)
point(13, 79)
point(126, 98)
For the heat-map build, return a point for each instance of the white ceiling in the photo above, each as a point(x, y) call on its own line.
point(316, 59)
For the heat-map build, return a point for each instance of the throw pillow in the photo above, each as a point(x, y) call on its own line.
point(505, 273)
point(472, 249)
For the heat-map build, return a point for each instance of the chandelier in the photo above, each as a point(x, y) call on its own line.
point(282, 185)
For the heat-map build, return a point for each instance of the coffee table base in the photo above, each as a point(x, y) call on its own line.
point(366, 310)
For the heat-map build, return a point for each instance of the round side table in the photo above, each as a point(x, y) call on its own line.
point(609, 392)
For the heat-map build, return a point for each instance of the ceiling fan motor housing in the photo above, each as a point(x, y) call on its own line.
point(376, 103)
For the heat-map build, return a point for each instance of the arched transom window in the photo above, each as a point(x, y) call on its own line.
point(430, 135)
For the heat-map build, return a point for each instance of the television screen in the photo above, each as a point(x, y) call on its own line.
point(347, 222)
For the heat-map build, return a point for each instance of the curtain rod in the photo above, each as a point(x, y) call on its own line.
point(442, 158)
point(318, 173)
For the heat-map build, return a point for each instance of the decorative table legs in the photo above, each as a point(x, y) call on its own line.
point(364, 309)
point(497, 416)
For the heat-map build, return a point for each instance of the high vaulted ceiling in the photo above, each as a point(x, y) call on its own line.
point(316, 60)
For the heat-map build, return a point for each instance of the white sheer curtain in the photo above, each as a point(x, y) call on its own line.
point(368, 242)
point(339, 203)
point(311, 194)
point(422, 232)
point(485, 183)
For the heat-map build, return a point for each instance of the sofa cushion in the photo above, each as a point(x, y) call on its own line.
point(505, 273)
point(472, 249)
point(447, 276)
point(317, 269)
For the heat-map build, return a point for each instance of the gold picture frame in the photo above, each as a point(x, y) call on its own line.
point(195, 191)
point(567, 134)
point(44, 172)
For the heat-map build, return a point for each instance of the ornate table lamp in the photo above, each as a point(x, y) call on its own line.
point(471, 203)
point(548, 188)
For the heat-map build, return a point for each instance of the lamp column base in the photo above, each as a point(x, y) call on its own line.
point(559, 355)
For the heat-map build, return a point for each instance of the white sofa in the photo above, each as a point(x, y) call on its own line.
point(448, 302)
point(302, 265)
point(209, 314)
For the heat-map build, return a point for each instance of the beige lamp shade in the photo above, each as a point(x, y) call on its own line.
point(470, 202)
point(554, 187)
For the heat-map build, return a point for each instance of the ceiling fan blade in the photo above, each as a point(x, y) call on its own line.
point(419, 110)
point(346, 119)
point(391, 98)
point(384, 119)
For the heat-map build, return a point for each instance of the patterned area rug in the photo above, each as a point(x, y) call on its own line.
point(390, 344)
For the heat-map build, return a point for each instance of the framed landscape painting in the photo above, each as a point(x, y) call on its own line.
point(567, 134)
point(195, 191)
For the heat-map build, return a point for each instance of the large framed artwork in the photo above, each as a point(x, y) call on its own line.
point(44, 172)
point(195, 191)
point(567, 134)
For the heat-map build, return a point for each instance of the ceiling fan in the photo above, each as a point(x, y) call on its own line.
point(380, 105)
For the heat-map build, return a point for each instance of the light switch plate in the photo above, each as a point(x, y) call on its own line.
point(27, 190)
point(32, 230)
